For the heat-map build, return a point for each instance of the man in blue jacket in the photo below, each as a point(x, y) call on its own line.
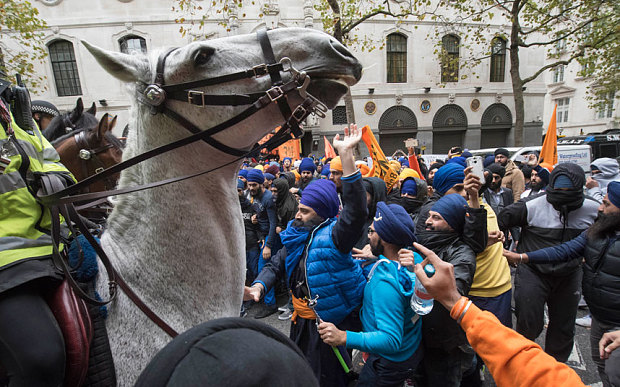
point(392, 331)
point(325, 281)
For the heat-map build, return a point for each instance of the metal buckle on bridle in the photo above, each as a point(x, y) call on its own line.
point(275, 93)
point(99, 170)
point(154, 95)
point(85, 154)
point(260, 70)
point(192, 93)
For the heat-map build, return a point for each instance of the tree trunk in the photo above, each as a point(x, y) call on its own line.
point(517, 82)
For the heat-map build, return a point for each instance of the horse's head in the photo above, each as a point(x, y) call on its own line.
point(67, 122)
point(88, 151)
point(332, 69)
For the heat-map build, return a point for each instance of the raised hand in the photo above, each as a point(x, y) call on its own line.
point(352, 136)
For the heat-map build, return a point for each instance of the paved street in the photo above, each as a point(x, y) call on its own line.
point(580, 359)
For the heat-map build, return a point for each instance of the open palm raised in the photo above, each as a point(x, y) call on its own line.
point(352, 136)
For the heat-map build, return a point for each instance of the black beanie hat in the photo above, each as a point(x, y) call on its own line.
point(497, 169)
point(501, 151)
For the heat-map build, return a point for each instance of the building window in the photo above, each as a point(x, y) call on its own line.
point(132, 45)
point(558, 74)
point(562, 111)
point(339, 115)
point(560, 46)
point(607, 107)
point(498, 60)
point(396, 58)
point(450, 58)
point(65, 68)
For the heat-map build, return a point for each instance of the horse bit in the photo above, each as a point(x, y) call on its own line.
point(155, 96)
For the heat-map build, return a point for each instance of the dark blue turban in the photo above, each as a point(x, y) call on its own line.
point(255, 176)
point(321, 196)
point(240, 184)
point(459, 160)
point(613, 193)
point(447, 177)
point(394, 225)
point(452, 209)
point(409, 187)
point(307, 164)
point(243, 173)
point(269, 176)
point(488, 160)
point(325, 171)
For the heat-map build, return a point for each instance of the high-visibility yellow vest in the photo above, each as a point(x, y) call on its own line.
point(24, 223)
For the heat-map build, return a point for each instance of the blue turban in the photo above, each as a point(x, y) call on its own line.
point(307, 164)
point(562, 181)
point(287, 158)
point(613, 193)
point(452, 209)
point(459, 160)
point(488, 160)
point(466, 154)
point(256, 176)
point(240, 184)
point(325, 171)
point(243, 173)
point(275, 163)
point(394, 225)
point(269, 176)
point(405, 163)
point(321, 196)
point(409, 187)
point(402, 160)
point(447, 177)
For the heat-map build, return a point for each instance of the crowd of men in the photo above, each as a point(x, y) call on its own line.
point(345, 247)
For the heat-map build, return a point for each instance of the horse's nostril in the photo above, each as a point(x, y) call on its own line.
point(342, 50)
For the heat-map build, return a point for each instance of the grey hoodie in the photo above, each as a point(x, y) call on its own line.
point(609, 172)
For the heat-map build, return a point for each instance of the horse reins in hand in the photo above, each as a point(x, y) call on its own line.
point(155, 96)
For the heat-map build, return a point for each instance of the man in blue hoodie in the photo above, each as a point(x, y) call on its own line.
point(392, 331)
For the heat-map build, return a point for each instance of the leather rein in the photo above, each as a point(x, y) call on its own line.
point(61, 200)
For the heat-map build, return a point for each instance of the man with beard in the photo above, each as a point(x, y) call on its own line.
point(496, 196)
point(513, 178)
point(447, 353)
point(538, 182)
point(306, 170)
point(600, 247)
point(555, 216)
point(326, 282)
point(266, 219)
point(604, 171)
point(392, 331)
point(335, 173)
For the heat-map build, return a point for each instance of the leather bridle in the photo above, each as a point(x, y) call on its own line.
point(90, 161)
point(155, 95)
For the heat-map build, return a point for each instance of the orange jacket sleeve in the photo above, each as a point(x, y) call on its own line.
point(512, 359)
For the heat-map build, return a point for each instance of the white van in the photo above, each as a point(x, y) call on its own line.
point(578, 154)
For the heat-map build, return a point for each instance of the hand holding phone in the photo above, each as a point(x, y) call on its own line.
point(477, 165)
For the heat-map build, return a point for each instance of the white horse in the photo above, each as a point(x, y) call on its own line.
point(181, 246)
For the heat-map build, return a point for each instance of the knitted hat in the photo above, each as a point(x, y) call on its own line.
point(408, 172)
point(336, 164)
point(447, 177)
point(243, 173)
point(497, 169)
point(409, 187)
point(501, 151)
point(394, 225)
point(452, 209)
point(435, 165)
point(256, 176)
point(613, 193)
point(321, 196)
point(307, 164)
point(273, 169)
point(44, 107)
point(269, 176)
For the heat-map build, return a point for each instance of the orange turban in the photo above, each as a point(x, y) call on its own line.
point(408, 172)
point(335, 164)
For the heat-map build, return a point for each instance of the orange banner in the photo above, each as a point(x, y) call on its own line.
point(549, 151)
point(330, 153)
point(380, 164)
point(290, 149)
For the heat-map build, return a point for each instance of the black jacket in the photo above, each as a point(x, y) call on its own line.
point(439, 330)
point(475, 233)
point(506, 199)
point(601, 279)
point(286, 204)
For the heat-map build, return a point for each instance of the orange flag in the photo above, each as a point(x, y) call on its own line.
point(380, 164)
point(549, 151)
point(330, 153)
point(291, 149)
point(413, 164)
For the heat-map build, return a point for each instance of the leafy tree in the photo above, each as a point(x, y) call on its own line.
point(21, 25)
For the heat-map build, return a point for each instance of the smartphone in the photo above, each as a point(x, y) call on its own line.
point(478, 167)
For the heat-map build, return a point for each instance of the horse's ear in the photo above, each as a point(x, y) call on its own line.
point(112, 124)
point(93, 109)
point(127, 68)
point(104, 126)
point(76, 113)
point(125, 131)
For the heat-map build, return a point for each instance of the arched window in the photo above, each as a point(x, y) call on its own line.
point(450, 58)
point(498, 60)
point(396, 58)
point(132, 44)
point(65, 68)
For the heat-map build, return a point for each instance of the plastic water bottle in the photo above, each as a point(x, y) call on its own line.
point(421, 301)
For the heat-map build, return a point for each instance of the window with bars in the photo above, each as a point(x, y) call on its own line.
point(450, 58)
point(558, 74)
point(396, 58)
point(498, 60)
point(65, 68)
point(132, 44)
point(607, 109)
point(339, 115)
point(562, 110)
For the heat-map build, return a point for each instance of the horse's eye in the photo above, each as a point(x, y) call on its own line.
point(203, 55)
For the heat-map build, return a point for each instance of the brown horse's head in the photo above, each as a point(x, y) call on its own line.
point(88, 151)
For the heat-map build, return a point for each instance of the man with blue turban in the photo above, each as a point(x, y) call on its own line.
point(326, 282)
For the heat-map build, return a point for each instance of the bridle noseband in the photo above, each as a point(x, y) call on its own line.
point(155, 95)
point(90, 160)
